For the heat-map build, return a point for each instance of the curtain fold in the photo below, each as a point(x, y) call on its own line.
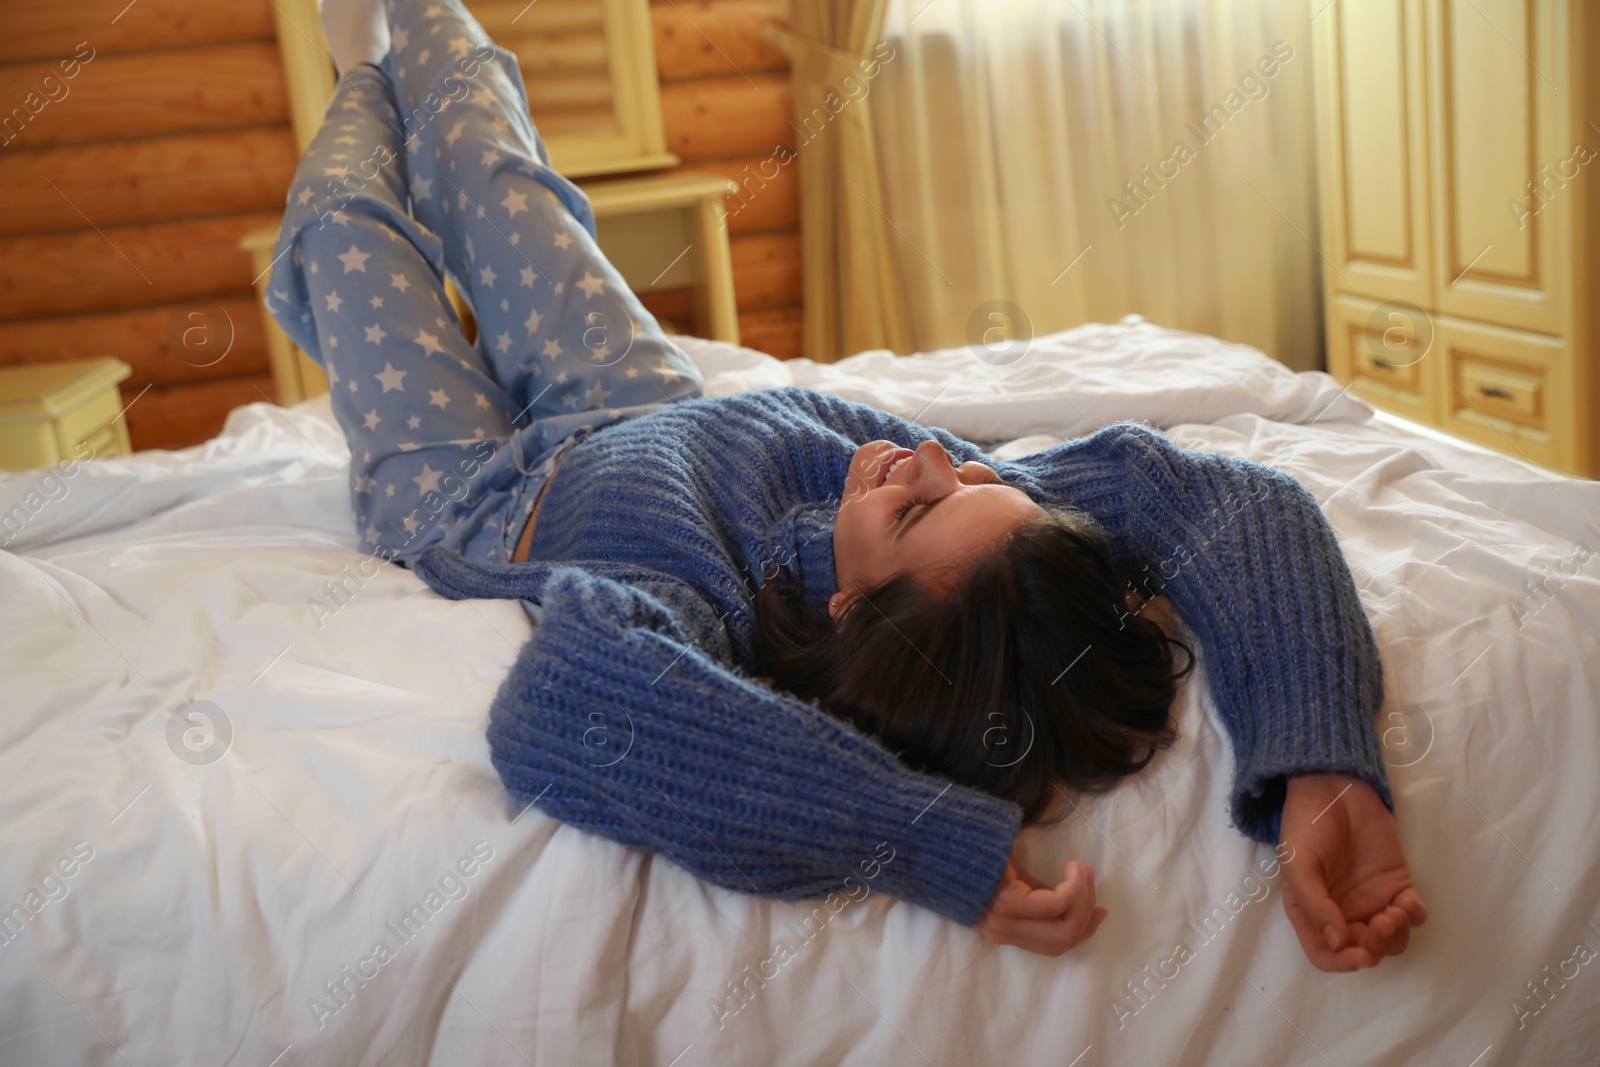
point(853, 298)
point(1051, 162)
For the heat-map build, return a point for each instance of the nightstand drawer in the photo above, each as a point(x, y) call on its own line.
point(57, 412)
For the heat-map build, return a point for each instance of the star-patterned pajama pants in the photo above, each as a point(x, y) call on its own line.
point(432, 164)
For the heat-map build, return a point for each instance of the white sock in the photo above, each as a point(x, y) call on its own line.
point(357, 31)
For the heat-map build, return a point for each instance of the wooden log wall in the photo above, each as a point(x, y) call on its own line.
point(726, 101)
point(128, 182)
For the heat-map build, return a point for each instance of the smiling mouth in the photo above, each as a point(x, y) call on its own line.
point(903, 454)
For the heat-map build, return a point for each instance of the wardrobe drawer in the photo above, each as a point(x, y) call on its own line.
point(1508, 389)
point(1503, 389)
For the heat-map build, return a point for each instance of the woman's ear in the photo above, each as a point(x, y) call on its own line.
point(837, 603)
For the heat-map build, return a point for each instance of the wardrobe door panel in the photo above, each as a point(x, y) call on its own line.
point(1500, 169)
point(1372, 105)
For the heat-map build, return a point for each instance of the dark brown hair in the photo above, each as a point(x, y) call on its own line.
point(1032, 670)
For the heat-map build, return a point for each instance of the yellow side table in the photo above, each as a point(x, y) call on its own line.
point(50, 412)
point(662, 231)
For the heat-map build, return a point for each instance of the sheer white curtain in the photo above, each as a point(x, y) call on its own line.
point(1084, 159)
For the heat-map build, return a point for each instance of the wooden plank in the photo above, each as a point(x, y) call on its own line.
point(125, 267)
point(194, 340)
point(145, 95)
point(504, 19)
point(182, 415)
point(720, 118)
point(767, 270)
point(762, 205)
point(670, 305)
point(775, 332)
point(715, 38)
point(51, 29)
point(122, 183)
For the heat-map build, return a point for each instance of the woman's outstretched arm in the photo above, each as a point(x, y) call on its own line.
point(620, 718)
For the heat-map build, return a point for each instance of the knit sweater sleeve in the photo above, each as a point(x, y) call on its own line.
point(617, 722)
point(1251, 565)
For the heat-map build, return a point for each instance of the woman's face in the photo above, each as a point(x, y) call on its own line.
point(915, 511)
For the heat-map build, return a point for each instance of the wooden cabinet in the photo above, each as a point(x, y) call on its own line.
point(61, 412)
point(1459, 143)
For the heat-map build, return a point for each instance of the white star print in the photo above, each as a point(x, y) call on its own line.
point(398, 281)
point(391, 378)
point(561, 379)
point(515, 202)
point(372, 420)
point(376, 301)
point(400, 38)
point(363, 484)
point(480, 400)
point(533, 320)
point(388, 490)
point(459, 46)
point(455, 134)
point(503, 342)
point(599, 355)
point(491, 156)
point(666, 372)
point(334, 300)
point(421, 189)
point(354, 260)
point(333, 342)
point(353, 386)
point(372, 533)
point(596, 397)
point(375, 334)
point(552, 349)
point(562, 240)
point(487, 275)
point(305, 196)
point(333, 374)
point(429, 343)
point(438, 397)
point(410, 524)
point(516, 239)
point(633, 372)
point(413, 422)
point(428, 480)
point(528, 276)
point(422, 57)
point(591, 285)
point(315, 267)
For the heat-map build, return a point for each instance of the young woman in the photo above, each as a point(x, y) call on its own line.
point(794, 643)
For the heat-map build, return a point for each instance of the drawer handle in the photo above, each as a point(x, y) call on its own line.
point(1496, 392)
point(1379, 361)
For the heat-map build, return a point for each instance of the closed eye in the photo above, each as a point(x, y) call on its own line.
point(904, 509)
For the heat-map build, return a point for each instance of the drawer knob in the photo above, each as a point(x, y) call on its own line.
point(1496, 392)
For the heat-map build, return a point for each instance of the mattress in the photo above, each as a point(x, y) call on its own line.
point(249, 814)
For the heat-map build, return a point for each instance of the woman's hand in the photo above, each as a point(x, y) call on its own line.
point(1346, 886)
point(1031, 915)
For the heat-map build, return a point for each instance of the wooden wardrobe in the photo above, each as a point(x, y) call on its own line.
point(1459, 145)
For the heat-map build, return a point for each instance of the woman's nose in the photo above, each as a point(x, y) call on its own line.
point(935, 468)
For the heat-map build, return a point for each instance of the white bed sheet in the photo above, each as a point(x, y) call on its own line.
point(217, 900)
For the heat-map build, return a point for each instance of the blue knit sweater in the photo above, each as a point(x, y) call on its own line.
point(630, 712)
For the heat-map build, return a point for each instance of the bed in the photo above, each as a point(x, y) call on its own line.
point(237, 756)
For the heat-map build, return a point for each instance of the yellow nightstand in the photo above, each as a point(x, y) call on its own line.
point(50, 412)
point(662, 231)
